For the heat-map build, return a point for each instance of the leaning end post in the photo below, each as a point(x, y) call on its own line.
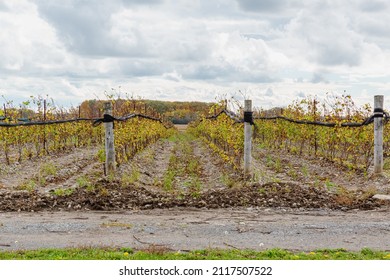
point(248, 120)
point(378, 134)
point(109, 141)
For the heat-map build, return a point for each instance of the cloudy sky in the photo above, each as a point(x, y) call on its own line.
point(273, 51)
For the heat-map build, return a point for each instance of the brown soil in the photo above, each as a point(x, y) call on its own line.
point(113, 196)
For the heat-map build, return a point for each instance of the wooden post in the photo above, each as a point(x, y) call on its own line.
point(247, 140)
point(109, 143)
point(315, 127)
point(378, 135)
point(44, 109)
point(44, 127)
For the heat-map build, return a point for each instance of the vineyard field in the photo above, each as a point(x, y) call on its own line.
point(188, 167)
point(183, 170)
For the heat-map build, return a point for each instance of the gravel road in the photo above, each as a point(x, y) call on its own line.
point(188, 229)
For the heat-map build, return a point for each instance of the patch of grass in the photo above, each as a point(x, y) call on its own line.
point(48, 169)
point(29, 186)
point(305, 171)
point(269, 162)
point(293, 173)
point(173, 137)
point(193, 167)
point(275, 164)
point(278, 165)
point(262, 146)
point(41, 180)
point(173, 161)
point(155, 252)
point(275, 179)
point(261, 190)
point(227, 180)
point(131, 178)
point(101, 155)
point(256, 176)
point(171, 172)
point(330, 186)
point(195, 187)
point(386, 164)
point(168, 180)
point(63, 192)
point(83, 182)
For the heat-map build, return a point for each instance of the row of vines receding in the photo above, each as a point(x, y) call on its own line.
point(222, 134)
point(351, 147)
point(24, 140)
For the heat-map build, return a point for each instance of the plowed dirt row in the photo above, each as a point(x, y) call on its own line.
point(50, 172)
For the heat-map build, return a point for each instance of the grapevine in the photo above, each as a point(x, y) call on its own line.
point(42, 136)
point(36, 141)
point(224, 136)
point(135, 134)
point(348, 146)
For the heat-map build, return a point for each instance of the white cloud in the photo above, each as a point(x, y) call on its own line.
point(173, 76)
point(274, 50)
point(27, 42)
point(324, 38)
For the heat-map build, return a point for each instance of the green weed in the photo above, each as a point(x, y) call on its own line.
point(63, 192)
point(48, 169)
point(29, 186)
point(330, 186)
point(195, 187)
point(168, 180)
point(83, 182)
point(101, 155)
point(131, 178)
point(227, 180)
point(305, 171)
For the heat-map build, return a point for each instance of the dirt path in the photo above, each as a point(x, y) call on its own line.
point(187, 229)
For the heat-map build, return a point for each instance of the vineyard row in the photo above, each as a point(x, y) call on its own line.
point(132, 134)
point(343, 135)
